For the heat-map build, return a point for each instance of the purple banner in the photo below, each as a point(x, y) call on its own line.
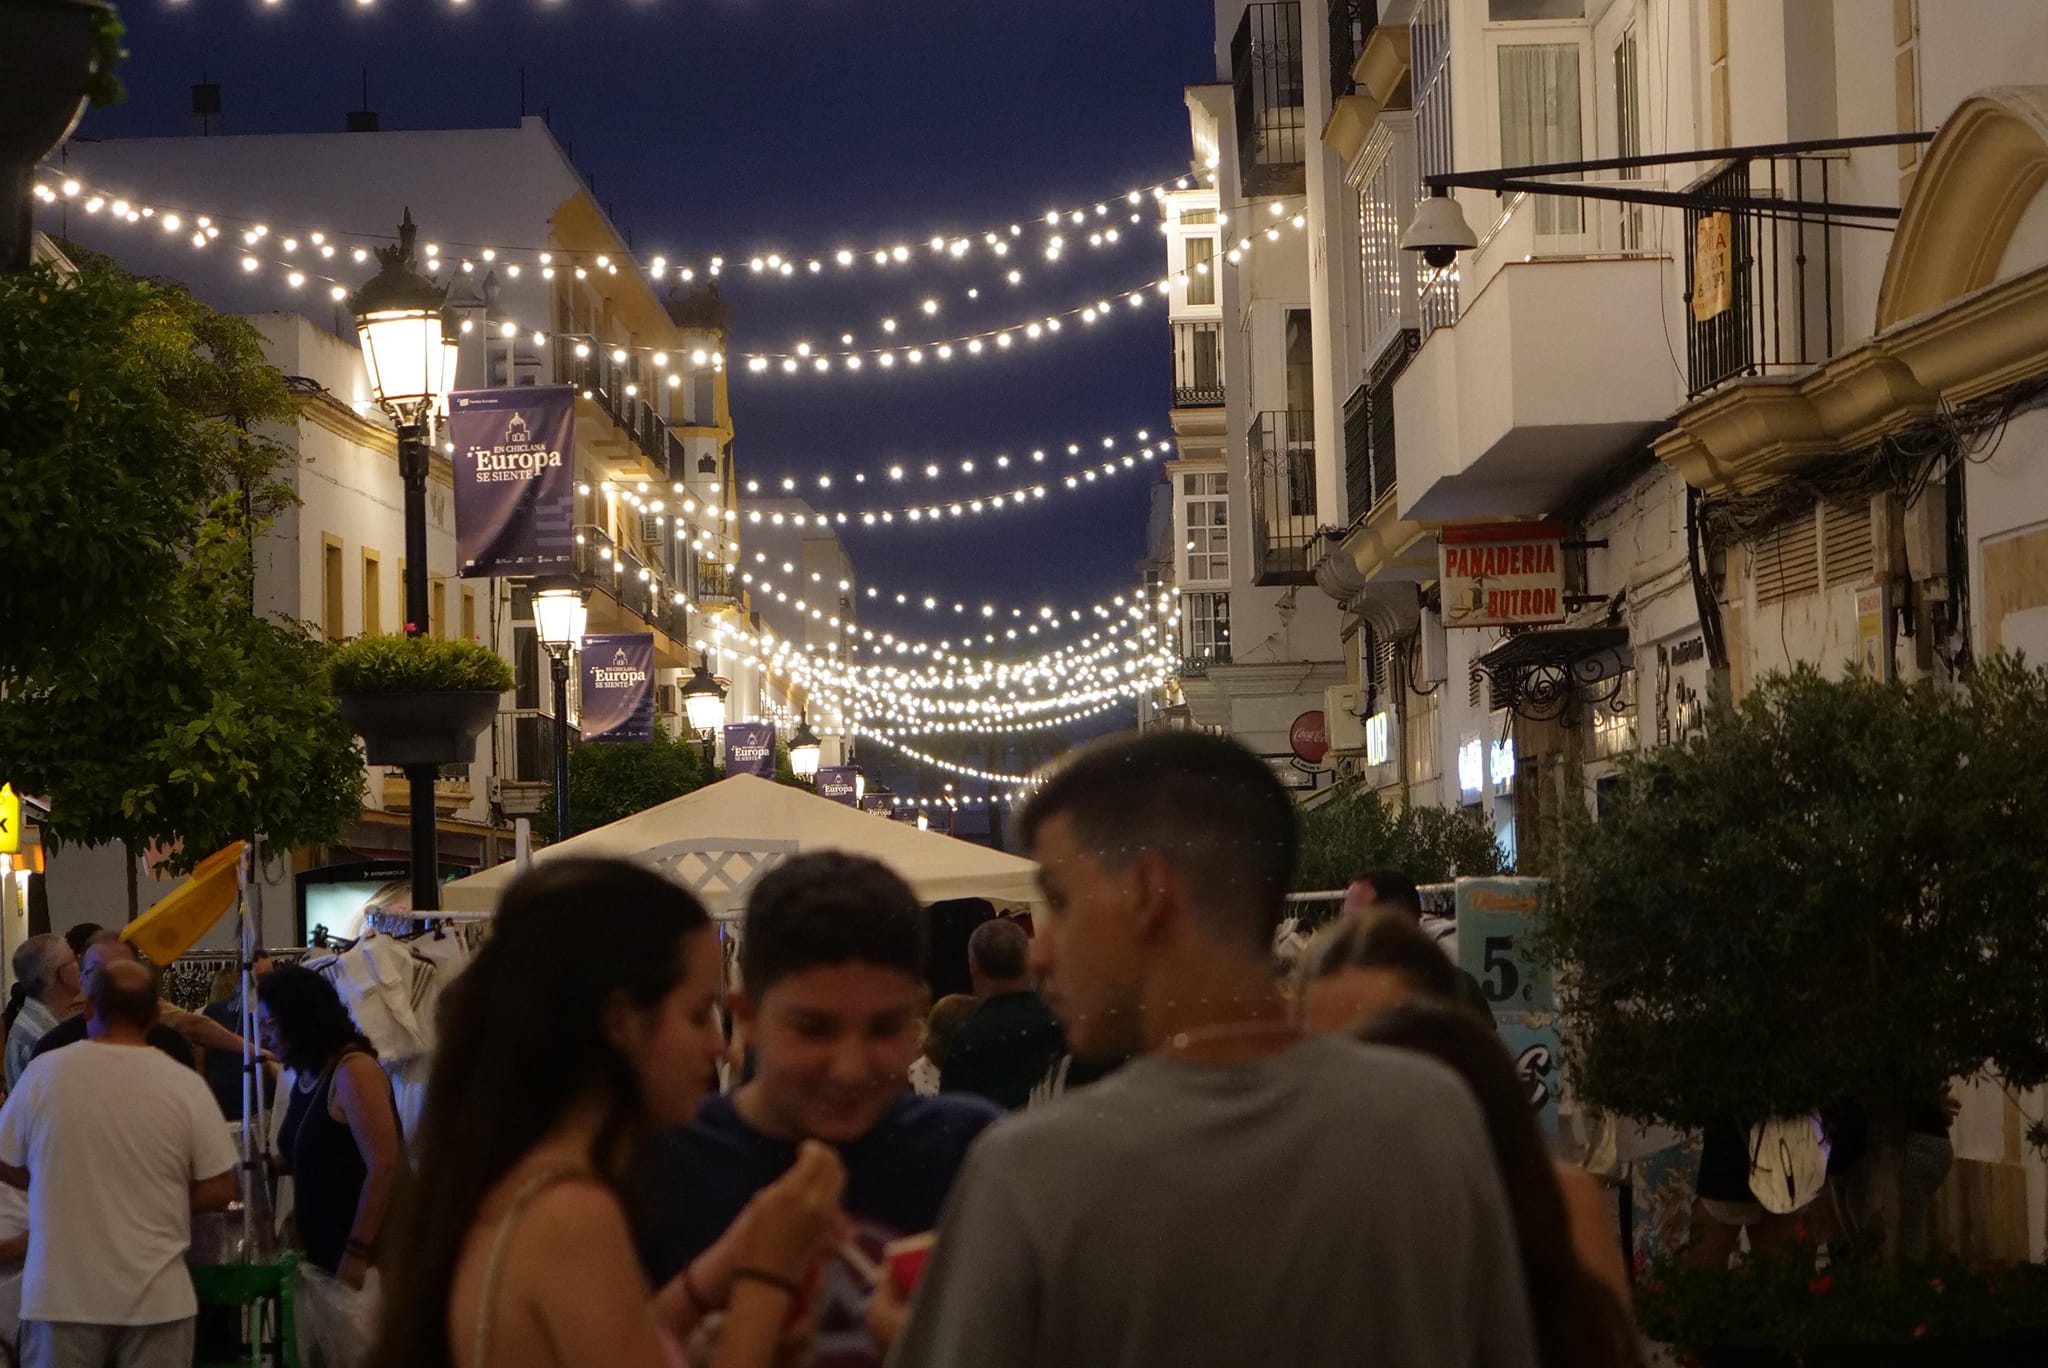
point(878, 802)
point(836, 782)
point(750, 749)
point(515, 479)
point(618, 687)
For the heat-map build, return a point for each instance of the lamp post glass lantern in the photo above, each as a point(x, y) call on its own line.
point(402, 323)
point(560, 617)
point(704, 705)
point(805, 751)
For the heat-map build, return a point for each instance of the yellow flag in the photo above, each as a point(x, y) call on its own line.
point(10, 820)
point(176, 923)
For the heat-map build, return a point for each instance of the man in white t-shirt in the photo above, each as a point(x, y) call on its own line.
point(117, 1147)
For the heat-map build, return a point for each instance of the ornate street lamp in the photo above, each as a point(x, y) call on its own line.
point(559, 618)
point(402, 321)
point(805, 750)
point(704, 705)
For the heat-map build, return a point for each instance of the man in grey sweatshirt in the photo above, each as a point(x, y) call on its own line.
point(1239, 1194)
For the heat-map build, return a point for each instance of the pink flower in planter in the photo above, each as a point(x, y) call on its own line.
point(1821, 1284)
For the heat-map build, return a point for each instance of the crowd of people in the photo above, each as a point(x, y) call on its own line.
point(1133, 1143)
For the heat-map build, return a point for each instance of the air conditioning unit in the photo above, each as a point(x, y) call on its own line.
point(1340, 717)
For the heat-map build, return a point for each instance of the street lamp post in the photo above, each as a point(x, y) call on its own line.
point(704, 705)
point(559, 617)
point(805, 750)
point(401, 319)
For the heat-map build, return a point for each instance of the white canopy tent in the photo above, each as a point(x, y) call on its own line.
point(721, 839)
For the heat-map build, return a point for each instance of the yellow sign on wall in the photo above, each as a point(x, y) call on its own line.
point(1713, 267)
point(10, 820)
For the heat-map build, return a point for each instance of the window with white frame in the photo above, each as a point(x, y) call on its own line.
point(1387, 191)
point(1542, 119)
point(1200, 254)
point(1206, 556)
point(1206, 617)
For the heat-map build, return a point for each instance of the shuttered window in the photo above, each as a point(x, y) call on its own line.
point(1846, 552)
point(1786, 562)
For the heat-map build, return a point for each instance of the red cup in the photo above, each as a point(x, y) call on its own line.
point(905, 1259)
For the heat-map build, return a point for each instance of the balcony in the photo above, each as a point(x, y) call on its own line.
point(1767, 304)
point(1281, 459)
point(527, 759)
point(1272, 120)
point(452, 791)
point(716, 584)
point(636, 590)
point(605, 384)
point(1550, 361)
point(1197, 365)
point(1351, 24)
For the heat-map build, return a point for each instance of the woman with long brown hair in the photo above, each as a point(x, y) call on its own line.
point(1579, 1323)
point(583, 1024)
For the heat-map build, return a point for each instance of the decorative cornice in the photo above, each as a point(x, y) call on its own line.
point(1981, 173)
point(1757, 432)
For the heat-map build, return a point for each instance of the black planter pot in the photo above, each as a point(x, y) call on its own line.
point(44, 64)
point(417, 728)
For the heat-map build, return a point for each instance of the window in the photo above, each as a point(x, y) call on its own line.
point(1201, 277)
point(332, 619)
point(1208, 624)
point(1196, 217)
point(469, 615)
point(700, 407)
point(373, 594)
point(1208, 519)
point(1542, 121)
point(1511, 11)
point(1628, 129)
point(437, 606)
point(525, 666)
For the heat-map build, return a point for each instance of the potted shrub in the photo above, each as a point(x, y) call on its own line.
point(417, 700)
point(59, 55)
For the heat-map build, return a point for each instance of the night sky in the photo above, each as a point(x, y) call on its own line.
point(744, 126)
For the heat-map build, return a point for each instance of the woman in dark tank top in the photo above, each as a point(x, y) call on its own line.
point(340, 1139)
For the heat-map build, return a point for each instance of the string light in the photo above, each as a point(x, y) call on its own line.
point(911, 474)
point(1001, 243)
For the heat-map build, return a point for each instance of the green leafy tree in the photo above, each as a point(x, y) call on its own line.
point(1832, 896)
point(107, 469)
point(617, 779)
point(1357, 830)
point(180, 715)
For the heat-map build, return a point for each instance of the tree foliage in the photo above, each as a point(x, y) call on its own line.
point(616, 779)
point(1832, 895)
point(152, 704)
point(1357, 830)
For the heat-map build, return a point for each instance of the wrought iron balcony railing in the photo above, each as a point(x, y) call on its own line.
point(1351, 23)
point(1761, 289)
point(1281, 456)
point(1197, 365)
point(1272, 120)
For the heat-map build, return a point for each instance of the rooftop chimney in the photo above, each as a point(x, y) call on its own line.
point(363, 120)
point(206, 104)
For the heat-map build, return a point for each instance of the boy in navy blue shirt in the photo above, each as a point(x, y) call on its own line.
point(833, 1001)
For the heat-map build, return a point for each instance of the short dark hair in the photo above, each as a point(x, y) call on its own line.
point(1214, 810)
point(826, 908)
point(80, 936)
point(312, 1022)
point(1392, 887)
point(1378, 938)
point(999, 948)
point(119, 993)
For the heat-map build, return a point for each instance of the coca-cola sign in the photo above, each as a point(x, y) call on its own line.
point(1309, 737)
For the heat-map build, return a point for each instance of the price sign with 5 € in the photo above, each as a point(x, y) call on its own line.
point(1496, 920)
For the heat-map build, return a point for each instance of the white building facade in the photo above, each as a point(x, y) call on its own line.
point(654, 432)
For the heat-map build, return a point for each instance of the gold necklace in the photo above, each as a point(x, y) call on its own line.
point(1229, 1030)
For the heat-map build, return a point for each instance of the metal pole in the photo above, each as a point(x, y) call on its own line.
point(559, 663)
point(412, 468)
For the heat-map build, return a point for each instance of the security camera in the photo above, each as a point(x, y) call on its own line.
point(1439, 231)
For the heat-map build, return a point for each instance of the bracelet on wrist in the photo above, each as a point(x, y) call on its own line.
point(771, 1279)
